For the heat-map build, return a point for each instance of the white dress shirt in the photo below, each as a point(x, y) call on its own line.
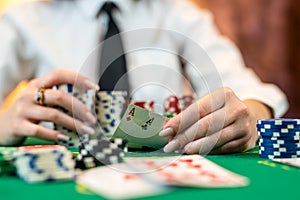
point(158, 36)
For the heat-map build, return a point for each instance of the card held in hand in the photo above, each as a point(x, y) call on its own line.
point(140, 127)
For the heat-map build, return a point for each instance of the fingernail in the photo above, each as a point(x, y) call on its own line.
point(62, 137)
point(87, 130)
point(166, 132)
point(92, 85)
point(172, 146)
point(91, 118)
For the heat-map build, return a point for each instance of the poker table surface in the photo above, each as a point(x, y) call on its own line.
point(268, 180)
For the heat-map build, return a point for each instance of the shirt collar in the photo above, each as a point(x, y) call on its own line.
point(91, 7)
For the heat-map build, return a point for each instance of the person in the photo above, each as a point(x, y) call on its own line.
point(47, 43)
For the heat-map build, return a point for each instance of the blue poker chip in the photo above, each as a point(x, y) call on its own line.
point(278, 141)
point(279, 153)
point(276, 145)
point(278, 127)
point(279, 121)
point(279, 144)
point(288, 139)
point(292, 135)
point(281, 130)
point(59, 160)
point(32, 163)
point(279, 149)
point(274, 157)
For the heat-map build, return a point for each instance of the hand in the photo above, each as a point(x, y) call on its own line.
point(22, 117)
point(216, 124)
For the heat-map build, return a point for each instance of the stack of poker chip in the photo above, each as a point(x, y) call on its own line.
point(279, 138)
point(173, 105)
point(109, 108)
point(86, 97)
point(44, 163)
point(97, 152)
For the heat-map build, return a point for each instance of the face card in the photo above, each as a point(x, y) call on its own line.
point(190, 170)
point(116, 182)
point(140, 127)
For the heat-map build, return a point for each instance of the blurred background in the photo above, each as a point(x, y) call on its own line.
point(268, 35)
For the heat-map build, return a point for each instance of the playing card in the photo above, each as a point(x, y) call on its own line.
point(117, 182)
point(190, 170)
point(140, 127)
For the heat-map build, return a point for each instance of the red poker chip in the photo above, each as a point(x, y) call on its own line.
point(185, 101)
point(148, 105)
point(171, 105)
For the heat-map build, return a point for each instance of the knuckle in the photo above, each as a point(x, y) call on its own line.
point(228, 93)
point(20, 105)
point(201, 108)
point(183, 140)
point(53, 115)
point(59, 96)
point(34, 131)
point(234, 146)
point(54, 75)
point(247, 125)
point(23, 96)
point(242, 109)
point(206, 126)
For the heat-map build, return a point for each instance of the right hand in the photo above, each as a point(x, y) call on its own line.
point(21, 119)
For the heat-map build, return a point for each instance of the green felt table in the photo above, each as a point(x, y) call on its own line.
point(268, 180)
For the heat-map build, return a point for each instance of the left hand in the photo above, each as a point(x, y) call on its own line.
point(216, 124)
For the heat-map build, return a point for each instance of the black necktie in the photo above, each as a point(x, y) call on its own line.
point(112, 63)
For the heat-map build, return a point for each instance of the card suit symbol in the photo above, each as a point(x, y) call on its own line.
point(128, 118)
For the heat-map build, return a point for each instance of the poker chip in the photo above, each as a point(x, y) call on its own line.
point(279, 138)
point(171, 105)
point(109, 108)
point(98, 152)
point(276, 133)
point(279, 122)
point(278, 145)
point(279, 149)
point(269, 156)
point(44, 163)
point(279, 152)
point(86, 97)
point(148, 105)
point(185, 101)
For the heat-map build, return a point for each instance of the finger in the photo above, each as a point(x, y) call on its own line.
point(193, 113)
point(204, 127)
point(58, 77)
point(67, 101)
point(214, 141)
point(34, 130)
point(40, 113)
point(234, 146)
